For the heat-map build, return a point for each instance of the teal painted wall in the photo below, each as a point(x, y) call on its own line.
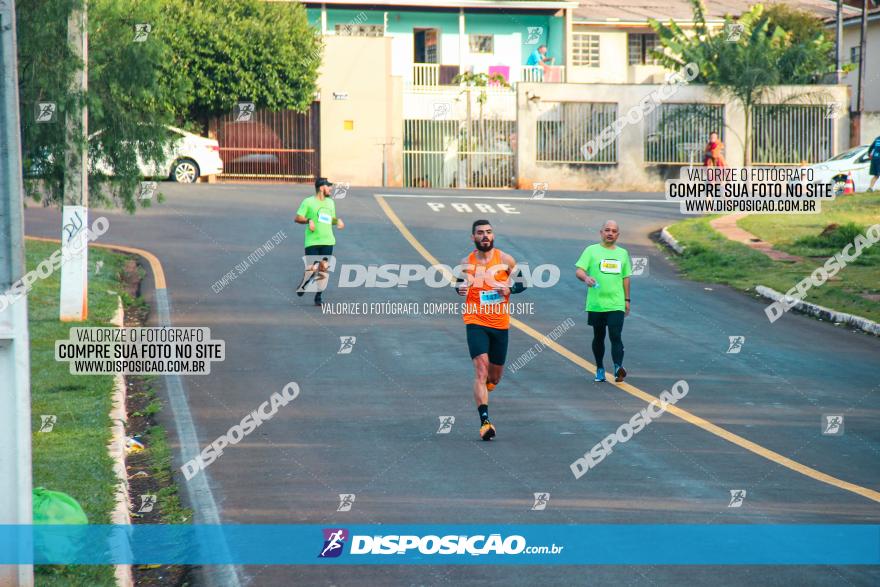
point(337, 16)
point(406, 21)
point(507, 24)
point(314, 17)
point(553, 34)
point(556, 39)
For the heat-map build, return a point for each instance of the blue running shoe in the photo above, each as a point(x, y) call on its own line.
point(600, 375)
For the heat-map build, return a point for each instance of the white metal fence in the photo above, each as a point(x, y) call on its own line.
point(565, 127)
point(459, 138)
point(455, 154)
point(675, 133)
point(790, 134)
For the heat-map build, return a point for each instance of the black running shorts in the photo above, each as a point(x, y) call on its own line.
point(492, 341)
point(600, 319)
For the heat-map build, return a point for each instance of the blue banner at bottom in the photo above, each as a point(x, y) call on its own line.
point(443, 544)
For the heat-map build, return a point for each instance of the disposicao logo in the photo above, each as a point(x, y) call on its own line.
point(334, 541)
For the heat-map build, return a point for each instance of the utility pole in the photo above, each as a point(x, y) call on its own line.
point(15, 391)
point(863, 50)
point(75, 210)
point(838, 45)
point(855, 134)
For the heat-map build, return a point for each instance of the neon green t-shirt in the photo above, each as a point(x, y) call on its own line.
point(608, 267)
point(322, 212)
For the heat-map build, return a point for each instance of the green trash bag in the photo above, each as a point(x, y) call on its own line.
point(54, 507)
point(61, 546)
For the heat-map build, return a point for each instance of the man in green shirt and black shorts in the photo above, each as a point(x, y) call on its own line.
point(319, 212)
point(606, 268)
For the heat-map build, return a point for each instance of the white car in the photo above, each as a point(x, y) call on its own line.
point(854, 161)
point(190, 156)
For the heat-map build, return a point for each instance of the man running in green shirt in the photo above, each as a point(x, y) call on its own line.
point(319, 212)
point(606, 268)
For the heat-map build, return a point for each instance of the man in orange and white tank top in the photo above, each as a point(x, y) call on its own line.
point(486, 283)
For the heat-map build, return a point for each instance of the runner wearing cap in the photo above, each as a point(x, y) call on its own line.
point(319, 213)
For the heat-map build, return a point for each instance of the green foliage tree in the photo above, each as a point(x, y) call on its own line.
point(744, 59)
point(129, 100)
point(481, 81)
point(243, 51)
point(199, 58)
point(801, 24)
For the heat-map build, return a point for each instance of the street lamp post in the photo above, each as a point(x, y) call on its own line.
point(863, 50)
point(838, 45)
point(15, 401)
point(74, 213)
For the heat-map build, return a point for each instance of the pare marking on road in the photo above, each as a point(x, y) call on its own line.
point(466, 208)
point(685, 415)
point(524, 199)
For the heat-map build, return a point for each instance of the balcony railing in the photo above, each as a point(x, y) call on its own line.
point(426, 74)
point(537, 73)
point(429, 74)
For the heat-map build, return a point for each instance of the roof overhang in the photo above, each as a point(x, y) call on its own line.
point(613, 22)
point(856, 20)
point(499, 4)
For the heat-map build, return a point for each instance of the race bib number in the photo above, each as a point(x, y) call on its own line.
point(610, 266)
point(490, 296)
point(324, 217)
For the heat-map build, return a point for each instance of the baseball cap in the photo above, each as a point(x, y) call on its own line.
point(322, 181)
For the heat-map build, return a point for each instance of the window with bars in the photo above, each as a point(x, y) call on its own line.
point(360, 30)
point(678, 132)
point(481, 43)
point(854, 54)
point(641, 46)
point(585, 49)
point(567, 128)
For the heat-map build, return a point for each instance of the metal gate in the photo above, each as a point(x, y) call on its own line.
point(677, 133)
point(790, 134)
point(456, 146)
point(271, 146)
point(564, 128)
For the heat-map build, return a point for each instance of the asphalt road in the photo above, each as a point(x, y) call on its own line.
point(366, 421)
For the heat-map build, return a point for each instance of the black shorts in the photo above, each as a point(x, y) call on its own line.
point(325, 250)
point(493, 341)
point(600, 319)
point(875, 166)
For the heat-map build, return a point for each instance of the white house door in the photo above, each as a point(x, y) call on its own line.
point(425, 44)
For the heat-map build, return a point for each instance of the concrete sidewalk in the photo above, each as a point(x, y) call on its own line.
point(726, 226)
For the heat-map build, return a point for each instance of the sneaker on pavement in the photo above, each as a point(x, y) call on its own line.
point(619, 373)
point(487, 431)
point(600, 375)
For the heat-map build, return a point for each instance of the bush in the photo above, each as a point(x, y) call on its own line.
point(833, 236)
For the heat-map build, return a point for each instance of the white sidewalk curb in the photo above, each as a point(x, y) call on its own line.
point(116, 448)
point(670, 241)
point(822, 312)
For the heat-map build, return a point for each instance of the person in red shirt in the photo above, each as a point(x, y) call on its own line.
point(713, 156)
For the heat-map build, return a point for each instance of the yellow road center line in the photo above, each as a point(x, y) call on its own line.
point(647, 397)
